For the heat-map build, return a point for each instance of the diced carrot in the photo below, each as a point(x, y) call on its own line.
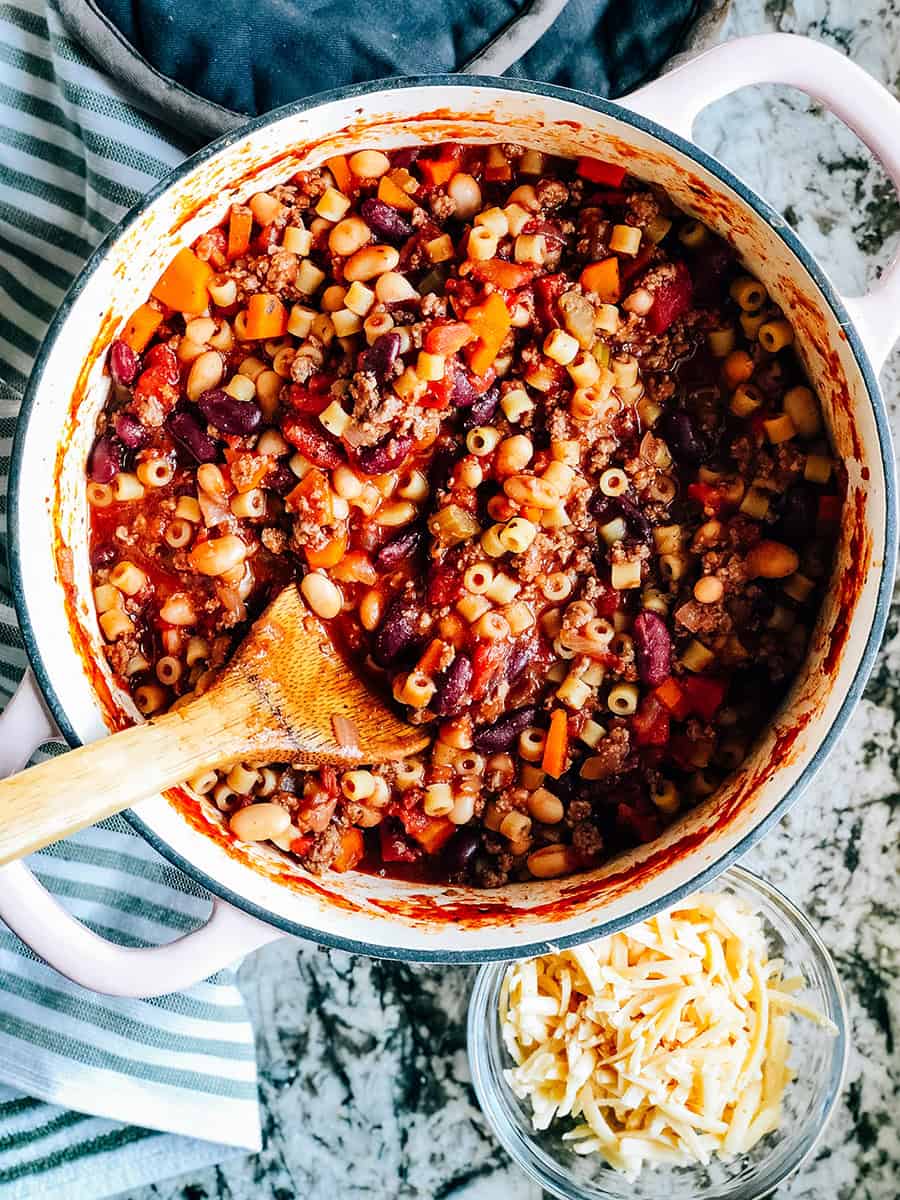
point(390, 193)
point(433, 835)
point(183, 284)
point(350, 851)
point(141, 326)
point(314, 494)
point(605, 173)
point(266, 316)
point(671, 695)
point(447, 339)
point(431, 659)
point(329, 555)
point(557, 744)
point(341, 172)
point(439, 171)
point(603, 279)
point(490, 321)
point(240, 226)
point(255, 467)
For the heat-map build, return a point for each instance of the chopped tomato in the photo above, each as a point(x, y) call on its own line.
point(829, 510)
point(161, 358)
point(707, 495)
point(705, 694)
point(440, 391)
point(395, 845)
point(487, 659)
point(638, 824)
point(650, 724)
point(444, 584)
point(504, 275)
point(546, 292)
point(448, 337)
point(671, 300)
point(605, 173)
point(312, 443)
point(313, 397)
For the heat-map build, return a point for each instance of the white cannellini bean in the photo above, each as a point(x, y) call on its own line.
point(260, 822)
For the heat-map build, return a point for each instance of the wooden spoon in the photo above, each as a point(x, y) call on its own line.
point(277, 701)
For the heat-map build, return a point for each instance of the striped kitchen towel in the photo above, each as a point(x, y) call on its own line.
point(98, 1092)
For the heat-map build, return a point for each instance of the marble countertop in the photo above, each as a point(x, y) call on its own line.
point(363, 1071)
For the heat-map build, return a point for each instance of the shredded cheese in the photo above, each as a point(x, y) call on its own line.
point(667, 1043)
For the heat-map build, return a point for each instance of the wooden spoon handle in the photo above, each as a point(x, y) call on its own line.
point(66, 793)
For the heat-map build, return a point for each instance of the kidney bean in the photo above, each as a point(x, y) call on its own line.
point(452, 689)
point(384, 455)
point(771, 379)
point(186, 430)
point(653, 648)
point(682, 439)
point(103, 555)
point(405, 156)
point(483, 408)
point(798, 515)
point(462, 394)
point(106, 459)
point(606, 508)
point(709, 269)
point(459, 852)
point(281, 479)
point(228, 414)
point(397, 632)
point(123, 363)
point(520, 652)
point(503, 732)
point(384, 220)
point(130, 432)
point(381, 356)
point(402, 547)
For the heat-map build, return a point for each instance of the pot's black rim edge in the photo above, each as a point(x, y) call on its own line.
point(772, 218)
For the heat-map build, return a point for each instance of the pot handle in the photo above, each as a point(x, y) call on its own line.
point(824, 74)
point(35, 916)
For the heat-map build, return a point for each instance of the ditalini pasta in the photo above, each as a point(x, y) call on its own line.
point(667, 1043)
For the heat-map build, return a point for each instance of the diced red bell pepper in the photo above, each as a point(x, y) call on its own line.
point(504, 275)
point(395, 845)
point(313, 397)
point(312, 443)
point(650, 724)
point(704, 693)
point(487, 659)
point(605, 173)
point(671, 300)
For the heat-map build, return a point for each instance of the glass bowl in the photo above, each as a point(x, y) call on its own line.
point(818, 1057)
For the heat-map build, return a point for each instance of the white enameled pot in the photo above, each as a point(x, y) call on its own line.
point(259, 894)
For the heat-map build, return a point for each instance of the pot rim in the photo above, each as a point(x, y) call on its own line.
point(765, 212)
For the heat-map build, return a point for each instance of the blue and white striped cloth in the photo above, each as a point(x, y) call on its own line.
point(98, 1092)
